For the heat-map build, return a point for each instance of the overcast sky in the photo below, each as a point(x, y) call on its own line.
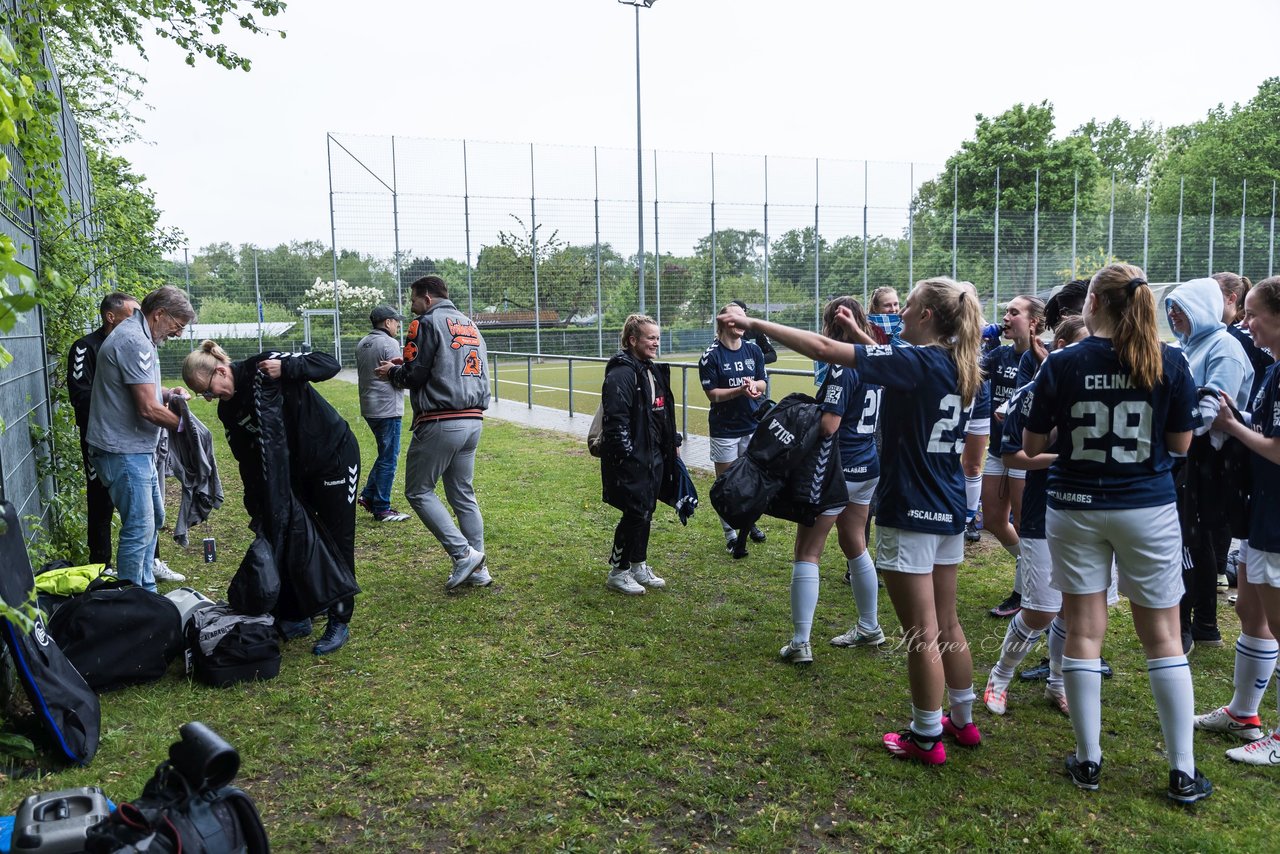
point(241, 157)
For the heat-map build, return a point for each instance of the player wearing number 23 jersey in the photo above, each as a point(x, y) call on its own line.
point(921, 483)
point(1111, 446)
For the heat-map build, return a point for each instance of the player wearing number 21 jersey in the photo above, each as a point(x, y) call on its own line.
point(1111, 432)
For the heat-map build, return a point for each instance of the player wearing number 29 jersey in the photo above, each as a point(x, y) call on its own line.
point(1112, 452)
point(923, 421)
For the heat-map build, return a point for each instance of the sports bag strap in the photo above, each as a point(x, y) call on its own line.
point(653, 392)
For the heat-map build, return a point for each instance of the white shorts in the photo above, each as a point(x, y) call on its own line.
point(1260, 567)
point(915, 551)
point(860, 492)
point(728, 450)
point(995, 467)
point(978, 427)
point(1145, 543)
point(1038, 592)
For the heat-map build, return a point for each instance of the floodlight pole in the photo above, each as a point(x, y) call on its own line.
point(639, 159)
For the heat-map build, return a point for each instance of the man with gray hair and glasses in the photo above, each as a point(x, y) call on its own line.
point(127, 411)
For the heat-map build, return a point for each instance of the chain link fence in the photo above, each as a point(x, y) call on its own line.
point(539, 243)
point(25, 413)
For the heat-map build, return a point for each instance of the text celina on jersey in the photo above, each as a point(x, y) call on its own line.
point(922, 418)
point(1111, 447)
point(1000, 367)
point(843, 393)
point(721, 367)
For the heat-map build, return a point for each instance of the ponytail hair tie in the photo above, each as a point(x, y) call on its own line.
point(1132, 286)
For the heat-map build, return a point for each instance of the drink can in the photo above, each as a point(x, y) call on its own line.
point(210, 550)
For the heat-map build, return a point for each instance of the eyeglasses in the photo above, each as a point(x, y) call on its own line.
point(207, 394)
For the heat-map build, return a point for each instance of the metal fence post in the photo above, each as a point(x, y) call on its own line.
point(817, 251)
point(533, 251)
point(1177, 266)
point(955, 215)
point(911, 225)
point(766, 237)
point(715, 306)
point(866, 173)
point(657, 252)
point(1213, 209)
point(1146, 226)
point(395, 230)
point(995, 259)
point(1035, 240)
point(1271, 240)
point(1111, 219)
point(333, 245)
point(595, 162)
point(257, 292)
point(1075, 212)
point(466, 226)
point(1244, 205)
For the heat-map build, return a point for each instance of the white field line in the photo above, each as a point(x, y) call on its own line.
point(550, 388)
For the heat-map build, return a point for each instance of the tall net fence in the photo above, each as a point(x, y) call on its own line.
point(541, 244)
point(25, 414)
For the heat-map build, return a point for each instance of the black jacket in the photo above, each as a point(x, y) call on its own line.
point(762, 341)
point(314, 429)
point(82, 363)
point(637, 462)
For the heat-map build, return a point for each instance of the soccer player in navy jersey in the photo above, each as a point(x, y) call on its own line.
point(850, 408)
point(1121, 403)
point(733, 376)
point(1001, 487)
point(1041, 602)
point(928, 388)
point(1259, 580)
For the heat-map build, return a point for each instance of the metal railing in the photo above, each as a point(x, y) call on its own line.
point(570, 392)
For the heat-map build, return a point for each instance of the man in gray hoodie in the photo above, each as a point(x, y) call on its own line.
point(446, 371)
point(382, 406)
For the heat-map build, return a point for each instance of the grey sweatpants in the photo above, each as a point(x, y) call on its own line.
point(446, 450)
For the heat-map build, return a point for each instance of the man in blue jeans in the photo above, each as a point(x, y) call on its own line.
point(382, 406)
point(127, 411)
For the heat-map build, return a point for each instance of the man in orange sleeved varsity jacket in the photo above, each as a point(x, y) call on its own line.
point(447, 376)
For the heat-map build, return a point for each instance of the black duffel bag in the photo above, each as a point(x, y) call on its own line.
point(228, 647)
point(118, 634)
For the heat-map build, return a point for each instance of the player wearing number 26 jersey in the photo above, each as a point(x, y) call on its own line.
point(1112, 453)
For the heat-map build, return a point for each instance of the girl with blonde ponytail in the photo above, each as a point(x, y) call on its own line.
point(1122, 404)
point(927, 391)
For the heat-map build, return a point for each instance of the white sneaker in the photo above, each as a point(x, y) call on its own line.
point(797, 653)
point(1221, 720)
point(1264, 751)
point(857, 637)
point(624, 582)
point(644, 575)
point(1058, 699)
point(463, 567)
point(996, 695)
point(161, 572)
point(109, 571)
point(480, 578)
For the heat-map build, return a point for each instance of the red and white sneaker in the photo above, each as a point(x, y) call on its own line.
point(1221, 720)
point(965, 736)
point(905, 744)
point(1264, 751)
point(996, 696)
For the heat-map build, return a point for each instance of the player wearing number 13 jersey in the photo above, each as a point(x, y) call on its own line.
point(1121, 402)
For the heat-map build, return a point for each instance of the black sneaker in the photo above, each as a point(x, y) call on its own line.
point(1188, 642)
point(1008, 607)
point(731, 545)
point(1086, 774)
point(364, 503)
point(971, 532)
point(1206, 637)
point(1035, 674)
point(1107, 673)
point(757, 535)
point(1185, 789)
point(738, 549)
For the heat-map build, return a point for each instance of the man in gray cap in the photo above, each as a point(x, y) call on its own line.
point(382, 406)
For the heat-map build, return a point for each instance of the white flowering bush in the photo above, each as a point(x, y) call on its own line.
point(354, 300)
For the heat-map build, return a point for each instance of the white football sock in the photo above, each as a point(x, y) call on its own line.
point(866, 590)
point(1175, 704)
point(1255, 660)
point(1019, 639)
point(804, 599)
point(926, 724)
point(1082, 678)
point(961, 702)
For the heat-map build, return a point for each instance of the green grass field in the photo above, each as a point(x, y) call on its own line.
point(547, 714)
